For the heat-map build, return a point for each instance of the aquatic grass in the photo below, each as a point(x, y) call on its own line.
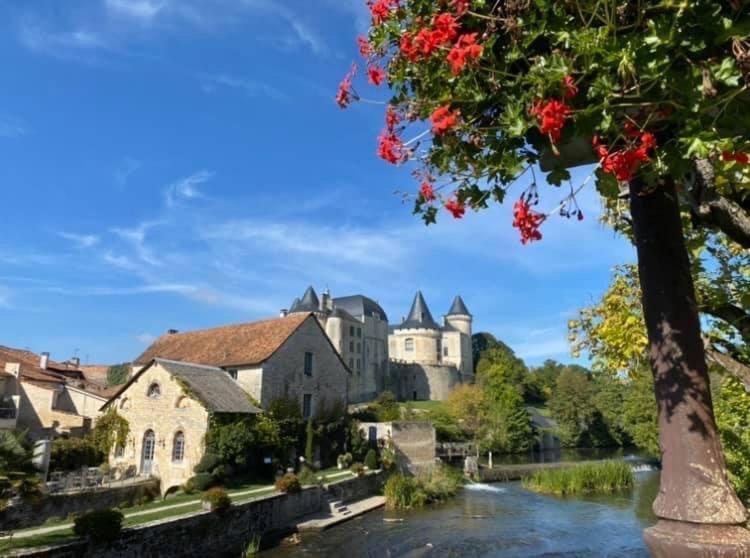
point(587, 478)
point(437, 484)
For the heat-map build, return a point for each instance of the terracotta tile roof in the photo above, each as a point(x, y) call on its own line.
point(30, 369)
point(240, 344)
point(96, 373)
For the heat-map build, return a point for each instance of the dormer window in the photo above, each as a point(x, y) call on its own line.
point(409, 344)
point(154, 391)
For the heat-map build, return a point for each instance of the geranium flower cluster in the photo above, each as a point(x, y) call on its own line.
point(345, 94)
point(455, 207)
point(625, 163)
point(390, 146)
point(427, 191)
point(444, 119)
point(527, 221)
point(737, 157)
point(381, 10)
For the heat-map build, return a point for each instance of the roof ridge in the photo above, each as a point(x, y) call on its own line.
point(237, 324)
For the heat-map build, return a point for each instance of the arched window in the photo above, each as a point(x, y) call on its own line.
point(409, 344)
point(119, 451)
point(178, 447)
point(154, 391)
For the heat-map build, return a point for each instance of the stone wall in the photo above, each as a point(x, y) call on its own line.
point(425, 382)
point(212, 534)
point(62, 505)
point(415, 442)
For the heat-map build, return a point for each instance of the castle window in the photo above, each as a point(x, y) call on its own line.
point(445, 351)
point(178, 448)
point(409, 344)
point(351, 362)
point(359, 332)
point(308, 364)
point(359, 364)
point(351, 331)
point(359, 347)
point(351, 346)
point(154, 391)
point(306, 406)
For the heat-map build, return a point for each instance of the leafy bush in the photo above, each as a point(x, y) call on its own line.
point(388, 455)
point(436, 485)
point(200, 482)
point(307, 476)
point(608, 476)
point(118, 374)
point(99, 526)
point(358, 469)
point(218, 498)
point(208, 463)
point(309, 442)
point(344, 460)
point(371, 460)
point(70, 454)
point(289, 483)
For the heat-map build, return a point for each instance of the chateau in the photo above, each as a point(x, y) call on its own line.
point(416, 360)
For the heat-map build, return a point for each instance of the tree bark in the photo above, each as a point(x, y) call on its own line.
point(694, 484)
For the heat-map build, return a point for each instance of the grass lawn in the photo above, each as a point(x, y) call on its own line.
point(424, 405)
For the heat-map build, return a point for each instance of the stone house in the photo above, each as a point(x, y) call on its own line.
point(168, 405)
point(289, 357)
point(45, 397)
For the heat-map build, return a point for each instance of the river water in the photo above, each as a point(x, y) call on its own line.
point(497, 521)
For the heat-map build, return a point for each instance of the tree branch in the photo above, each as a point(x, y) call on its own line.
point(732, 366)
point(716, 211)
point(733, 315)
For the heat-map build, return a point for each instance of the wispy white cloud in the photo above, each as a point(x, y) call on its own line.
point(144, 10)
point(145, 338)
point(11, 127)
point(136, 237)
point(175, 288)
point(60, 43)
point(187, 188)
point(125, 170)
point(80, 240)
point(249, 87)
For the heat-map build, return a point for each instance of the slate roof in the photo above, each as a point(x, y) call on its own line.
point(419, 316)
point(240, 344)
point(458, 308)
point(211, 386)
point(359, 305)
point(309, 303)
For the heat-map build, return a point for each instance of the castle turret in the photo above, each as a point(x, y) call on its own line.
point(459, 317)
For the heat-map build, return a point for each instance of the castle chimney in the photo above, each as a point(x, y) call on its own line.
point(172, 332)
point(283, 313)
point(76, 361)
point(43, 360)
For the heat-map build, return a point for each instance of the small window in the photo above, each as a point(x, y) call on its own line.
point(154, 391)
point(351, 346)
point(359, 364)
point(351, 331)
point(351, 362)
point(409, 344)
point(308, 364)
point(232, 373)
point(359, 332)
point(306, 406)
point(178, 448)
point(445, 351)
point(359, 347)
point(119, 451)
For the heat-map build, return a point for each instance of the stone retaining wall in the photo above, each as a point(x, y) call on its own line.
point(211, 534)
point(63, 504)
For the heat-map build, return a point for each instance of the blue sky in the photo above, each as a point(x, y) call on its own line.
point(182, 164)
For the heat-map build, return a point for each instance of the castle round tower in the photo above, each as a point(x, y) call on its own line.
point(458, 317)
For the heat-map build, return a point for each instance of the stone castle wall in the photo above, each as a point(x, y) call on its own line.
point(425, 382)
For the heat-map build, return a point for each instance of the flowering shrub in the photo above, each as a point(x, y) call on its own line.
point(217, 499)
point(289, 483)
point(652, 86)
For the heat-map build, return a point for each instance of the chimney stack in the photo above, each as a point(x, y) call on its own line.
point(75, 361)
point(172, 332)
point(283, 313)
point(44, 360)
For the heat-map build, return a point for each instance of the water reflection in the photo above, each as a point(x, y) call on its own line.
point(506, 523)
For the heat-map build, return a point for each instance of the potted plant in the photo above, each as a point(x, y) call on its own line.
point(216, 500)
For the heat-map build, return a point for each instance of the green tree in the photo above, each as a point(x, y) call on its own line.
point(118, 374)
point(571, 406)
point(733, 419)
point(18, 477)
point(639, 416)
point(506, 424)
point(309, 443)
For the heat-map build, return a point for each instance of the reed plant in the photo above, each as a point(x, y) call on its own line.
point(586, 478)
point(437, 484)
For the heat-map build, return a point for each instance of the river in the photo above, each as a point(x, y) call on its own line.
point(497, 521)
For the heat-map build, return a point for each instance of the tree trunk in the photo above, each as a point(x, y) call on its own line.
point(696, 505)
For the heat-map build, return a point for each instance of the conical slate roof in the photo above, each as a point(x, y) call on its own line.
point(419, 316)
point(309, 302)
point(458, 308)
point(294, 306)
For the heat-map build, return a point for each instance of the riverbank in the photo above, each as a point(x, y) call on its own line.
point(517, 472)
point(211, 534)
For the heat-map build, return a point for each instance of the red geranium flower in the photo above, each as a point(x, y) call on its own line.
point(344, 96)
point(465, 50)
point(408, 47)
point(365, 48)
point(461, 6)
point(455, 207)
point(527, 221)
point(625, 163)
point(446, 27)
point(569, 85)
point(392, 118)
point(551, 116)
point(443, 119)
point(427, 192)
point(741, 158)
point(375, 75)
point(381, 9)
point(390, 147)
